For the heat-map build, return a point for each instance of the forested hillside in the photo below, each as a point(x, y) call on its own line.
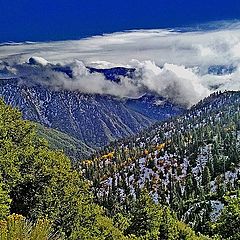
point(72, 147)
point(177, 180)
point(82, 116)
point(189, 164)
point(43, 197)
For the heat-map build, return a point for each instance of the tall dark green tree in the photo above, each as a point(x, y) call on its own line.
point(206, 179)
point(228, 223)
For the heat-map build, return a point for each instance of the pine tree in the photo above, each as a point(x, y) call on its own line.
point(206, 178)
point(146, 217)
point(228, 223)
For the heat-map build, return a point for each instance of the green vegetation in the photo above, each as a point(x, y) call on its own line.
point(17, 227)
point(228, 223)
point(187, 164)
point(44, 196)
point(5, 202)
point(71, 146)
point(42, 184)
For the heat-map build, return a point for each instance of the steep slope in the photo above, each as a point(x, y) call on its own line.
point(71, 146)
point(42, 184)
point(94, 119)
point(189, 163)
point(155, 107)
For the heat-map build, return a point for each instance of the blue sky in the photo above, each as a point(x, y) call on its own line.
point(44, 20)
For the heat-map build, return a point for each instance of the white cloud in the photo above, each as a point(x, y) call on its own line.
point(38, 61)
point(171, 63)
point(174, 82)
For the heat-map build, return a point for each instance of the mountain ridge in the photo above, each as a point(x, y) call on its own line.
point(92, 118)
point(189, 163)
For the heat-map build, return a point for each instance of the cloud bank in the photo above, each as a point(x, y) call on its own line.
point(172, 63)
